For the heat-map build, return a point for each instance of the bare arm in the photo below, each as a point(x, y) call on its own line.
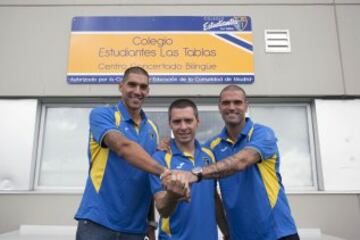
point(132, 152)
point(220, 216)
point(165, 203)
point(176, 189)
point(230, 165)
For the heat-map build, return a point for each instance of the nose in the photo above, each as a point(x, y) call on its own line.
point(183, 125)
point(137, 90)
point(231, 106)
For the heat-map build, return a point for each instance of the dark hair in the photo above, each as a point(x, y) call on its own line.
point(183, 103)
point(135, 69)
point(232, 87)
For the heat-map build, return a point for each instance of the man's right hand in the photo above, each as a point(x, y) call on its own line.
point(187, 176)
point(177, 188)
point(176, 179)
point(164, 144)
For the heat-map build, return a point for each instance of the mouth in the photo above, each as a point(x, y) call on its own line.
point(232, 114)
point(136, 99)
point(184, 135)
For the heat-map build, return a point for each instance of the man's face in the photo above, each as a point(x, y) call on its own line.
point(183, 123)
point(233, 107)
point(134, 90)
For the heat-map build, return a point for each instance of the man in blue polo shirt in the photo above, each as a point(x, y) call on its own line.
point(182, 220)
point(117, 195)
point(248, 164)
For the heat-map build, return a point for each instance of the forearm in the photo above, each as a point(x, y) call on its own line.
point(220, 216)
point(232, 164)
point(166, 204)
point(133, 153)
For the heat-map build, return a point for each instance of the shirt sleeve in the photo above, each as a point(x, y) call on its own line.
point(263, 140)
point(102, 121)
point(155, 182)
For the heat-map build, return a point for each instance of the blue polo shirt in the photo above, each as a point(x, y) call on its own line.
point(254, 199)
point(117, 195)
point(195, 220)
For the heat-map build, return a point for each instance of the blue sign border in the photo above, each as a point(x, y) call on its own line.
point(165, 79)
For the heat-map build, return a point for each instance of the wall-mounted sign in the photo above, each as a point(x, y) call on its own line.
point(172, 49)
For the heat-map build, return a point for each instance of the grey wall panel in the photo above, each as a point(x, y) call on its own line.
point(19, 49)
point(347, 1)
point(34, 51)
point(37, 209)
point(349, 33)
point(313, 67)
point(334, 214)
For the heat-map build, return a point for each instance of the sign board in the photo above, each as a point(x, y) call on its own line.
point(172, 49)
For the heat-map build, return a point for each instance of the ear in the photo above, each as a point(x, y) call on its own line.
point(247, 105)
point(121, 84)
point(148, 91)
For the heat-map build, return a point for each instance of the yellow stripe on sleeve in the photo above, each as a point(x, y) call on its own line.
point(165, 225)
point(214, 143)
point(156, 130)
point(251, 131)
point(117, 115)
point(168, 160)
point(270, 180)
point(209, 152)
point(99, 158)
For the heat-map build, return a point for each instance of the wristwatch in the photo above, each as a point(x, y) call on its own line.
point(198, 171)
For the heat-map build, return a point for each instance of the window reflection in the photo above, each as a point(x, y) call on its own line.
point(64, 161)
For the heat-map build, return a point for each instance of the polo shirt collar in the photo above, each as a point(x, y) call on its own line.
point(176, 151)
point(126, 115)
point(244, 132)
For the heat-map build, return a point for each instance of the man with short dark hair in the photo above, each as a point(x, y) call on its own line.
point(196, 219)
point(117, 195)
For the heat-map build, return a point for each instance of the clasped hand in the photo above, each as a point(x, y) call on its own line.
point(178, 184)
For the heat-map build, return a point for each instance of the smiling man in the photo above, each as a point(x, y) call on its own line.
point(117, 195)
point(253, 194)
point(196, 219)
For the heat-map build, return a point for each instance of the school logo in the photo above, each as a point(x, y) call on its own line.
point(235, 23)
point(206, 160)
point(151, 134)
point(241, 23)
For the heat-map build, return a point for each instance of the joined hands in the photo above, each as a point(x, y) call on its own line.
point(178, 184)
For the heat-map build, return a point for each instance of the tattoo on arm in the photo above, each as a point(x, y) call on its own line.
point(230, 165)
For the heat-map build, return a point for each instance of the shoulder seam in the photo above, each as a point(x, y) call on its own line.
point(215, 142)
point(153, 125)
